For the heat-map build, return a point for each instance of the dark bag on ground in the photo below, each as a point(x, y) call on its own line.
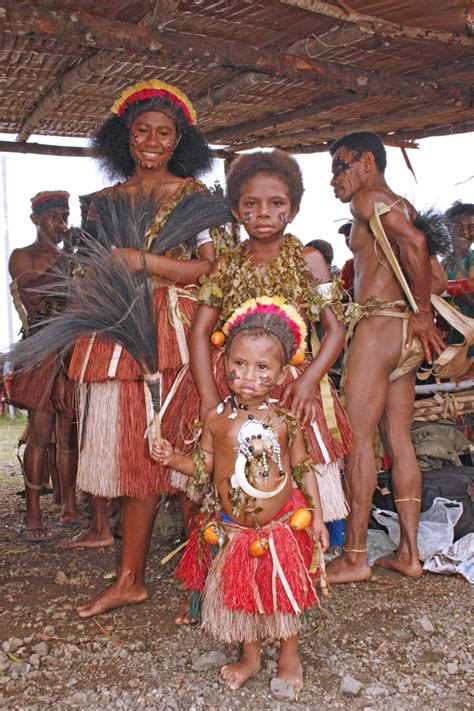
point(454, 483)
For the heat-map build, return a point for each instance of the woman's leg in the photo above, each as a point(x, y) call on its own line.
point(138, 518)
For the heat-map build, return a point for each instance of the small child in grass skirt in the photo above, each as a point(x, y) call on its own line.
point(252, 554)
point(264, 192)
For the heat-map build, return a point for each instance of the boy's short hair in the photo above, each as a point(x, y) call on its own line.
point(271, 162)
point(363, 142)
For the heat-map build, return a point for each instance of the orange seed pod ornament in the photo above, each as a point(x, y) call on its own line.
point(300, 519)
point(211, 534)
point(218, 339)
point(258, 547)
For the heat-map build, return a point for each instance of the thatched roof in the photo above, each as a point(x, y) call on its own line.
point(294, 74)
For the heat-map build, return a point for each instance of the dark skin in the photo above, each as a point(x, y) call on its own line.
point(265, 210)
point(33, 267)
point(373, 355)
point(256, 364)
point(153, 137)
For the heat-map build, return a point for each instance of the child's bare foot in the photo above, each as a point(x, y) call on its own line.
point(290, 670)
point(183, 617)
point(118, 594)
point(89, 539)
point(235, 675)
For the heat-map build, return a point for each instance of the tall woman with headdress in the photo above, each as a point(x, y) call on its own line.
point(153, 142)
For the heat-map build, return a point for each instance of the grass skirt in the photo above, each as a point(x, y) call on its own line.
point(114, 404)
point(246, 598)
point(32, 389)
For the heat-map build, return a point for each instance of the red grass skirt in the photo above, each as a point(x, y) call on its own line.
point(246, 598)
point(115, 408)
point(32, 389)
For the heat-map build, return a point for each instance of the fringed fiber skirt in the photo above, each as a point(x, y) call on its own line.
point(246, 598)
point(32, 389)
point(328, 437)
point(114, 404)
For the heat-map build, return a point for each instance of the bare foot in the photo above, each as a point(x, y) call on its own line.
point(74, 520)
point(115, 596)
point(235, 675)
point(348, 568)
point(411, 567)
point(89, 539)
point(183, 617)
point(290, 670)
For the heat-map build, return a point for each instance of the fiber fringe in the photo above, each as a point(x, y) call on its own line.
point(97, 468)
point(333, 500)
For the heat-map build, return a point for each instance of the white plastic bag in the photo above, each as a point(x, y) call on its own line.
point(436, 528)
point(458, 558)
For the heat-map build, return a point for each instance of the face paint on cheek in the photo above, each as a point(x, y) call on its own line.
point(283, 217)
point(232, 377)
point(265, 380)
point(247, 216)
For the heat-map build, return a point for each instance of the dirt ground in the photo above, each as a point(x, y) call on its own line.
point(135, 658)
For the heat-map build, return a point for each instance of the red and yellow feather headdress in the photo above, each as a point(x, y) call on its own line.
point(154, 88)
point(275, 306)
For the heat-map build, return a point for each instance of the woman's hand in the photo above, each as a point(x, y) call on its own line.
point(162, 451)
point(133, 258)
point(299, 397)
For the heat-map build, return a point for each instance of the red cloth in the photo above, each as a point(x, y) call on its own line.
point(347, 274)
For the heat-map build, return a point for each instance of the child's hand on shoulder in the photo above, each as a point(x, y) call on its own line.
point(162, 451)
point(320, 532)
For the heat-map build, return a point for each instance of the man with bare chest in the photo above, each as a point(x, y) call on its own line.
point(34, 270)
point(390, 338)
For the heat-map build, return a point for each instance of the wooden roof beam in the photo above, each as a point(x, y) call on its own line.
point(371, 25)
point(332, 132)
point(315, 108)
point(388, 140)
point(315, 45)
point(102, 33)
point(46, 149)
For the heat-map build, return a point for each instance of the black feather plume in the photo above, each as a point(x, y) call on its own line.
point(194, 213)
point(122, 222)
point(439, 241)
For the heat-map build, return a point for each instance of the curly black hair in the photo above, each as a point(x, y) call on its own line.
point(363, 142)
point(265, 324)
point(272, 163)
point(191, 157)
point(459, 209)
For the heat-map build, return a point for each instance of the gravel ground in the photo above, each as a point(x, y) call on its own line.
point(390, 644)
